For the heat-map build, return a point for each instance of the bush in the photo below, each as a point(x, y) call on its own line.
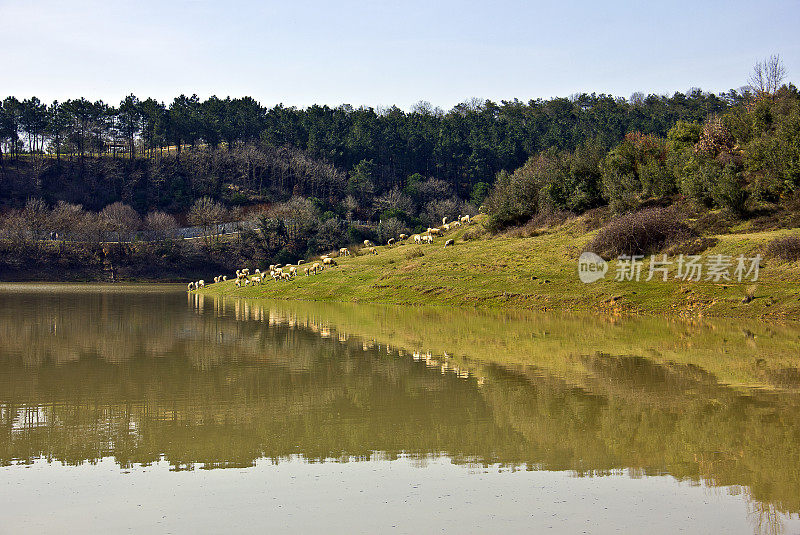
point(644, 232)
point(416, 252)
point(786, 248)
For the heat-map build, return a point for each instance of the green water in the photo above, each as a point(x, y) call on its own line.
point(141, 408)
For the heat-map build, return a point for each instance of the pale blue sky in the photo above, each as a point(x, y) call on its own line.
point(383, 53)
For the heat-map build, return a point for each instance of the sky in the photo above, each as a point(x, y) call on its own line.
point(380, 53)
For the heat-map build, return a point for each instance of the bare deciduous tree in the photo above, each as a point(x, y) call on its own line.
point(37, 218)
point(209, 215)
point(161, 225)
point(119, 219)
point(767, 76)
point(66, 219)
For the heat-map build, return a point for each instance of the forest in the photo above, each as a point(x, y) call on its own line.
point(88, 172)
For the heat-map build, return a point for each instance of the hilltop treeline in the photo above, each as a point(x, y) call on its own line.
point(379, 150)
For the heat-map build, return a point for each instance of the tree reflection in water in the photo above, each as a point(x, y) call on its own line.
point(222, 383)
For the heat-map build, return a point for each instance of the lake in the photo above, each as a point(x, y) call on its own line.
point(140, 408)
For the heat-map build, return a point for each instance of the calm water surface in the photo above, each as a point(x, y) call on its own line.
point(142, 409)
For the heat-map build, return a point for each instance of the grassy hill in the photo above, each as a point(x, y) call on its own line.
point(535, 268)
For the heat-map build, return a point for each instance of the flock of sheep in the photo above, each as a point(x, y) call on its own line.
point(280, 272)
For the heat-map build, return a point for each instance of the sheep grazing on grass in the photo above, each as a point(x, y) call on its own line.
point(344, 251)
point(329, 262)
point(238, 283)
point(316, 268)
point(306, 271)
point(465, 219)
point(216, 279)
point(272, 267)
point(301, 262)
point(372, 250)
point(190, 286)
point(246, 271)
point(444, 221)
point(274, 274)
point(403, 237)
point(256, 279)
point(417, 238)
point(286, 276)
point(434, 231)
point(446, 227)
point(201, 283)
point(367, 243)
point(390, 242)
point(449, 242)
point(427, 239)
point(293, 271)
point(224, 278)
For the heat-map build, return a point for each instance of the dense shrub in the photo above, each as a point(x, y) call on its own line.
point(644, 232)
point(786, 248)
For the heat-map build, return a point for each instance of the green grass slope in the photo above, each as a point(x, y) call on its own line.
point(537, 272)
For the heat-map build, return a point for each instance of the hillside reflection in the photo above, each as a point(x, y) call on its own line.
point(209, 383)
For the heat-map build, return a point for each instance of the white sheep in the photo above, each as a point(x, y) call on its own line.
point(306, 271)
point(465, 219)
point(417, 238)
point(446, 227)
point(434, 231)
point(427, 239)
point(390, 242)
point(344, 251)
point(449, 242)
point(224, 278)
point(190, 286)
point(301, 262)
point(238, 283)
point(367, 243)
point(328, 262)
point(316, 268)
point(444, 221)
point(403, 237)
point(293, 271)
point(201, 283)
point(372, 250)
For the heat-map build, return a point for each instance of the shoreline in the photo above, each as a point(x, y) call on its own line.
point(539, 273)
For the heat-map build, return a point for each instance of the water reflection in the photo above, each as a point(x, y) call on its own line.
point(209, 383)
